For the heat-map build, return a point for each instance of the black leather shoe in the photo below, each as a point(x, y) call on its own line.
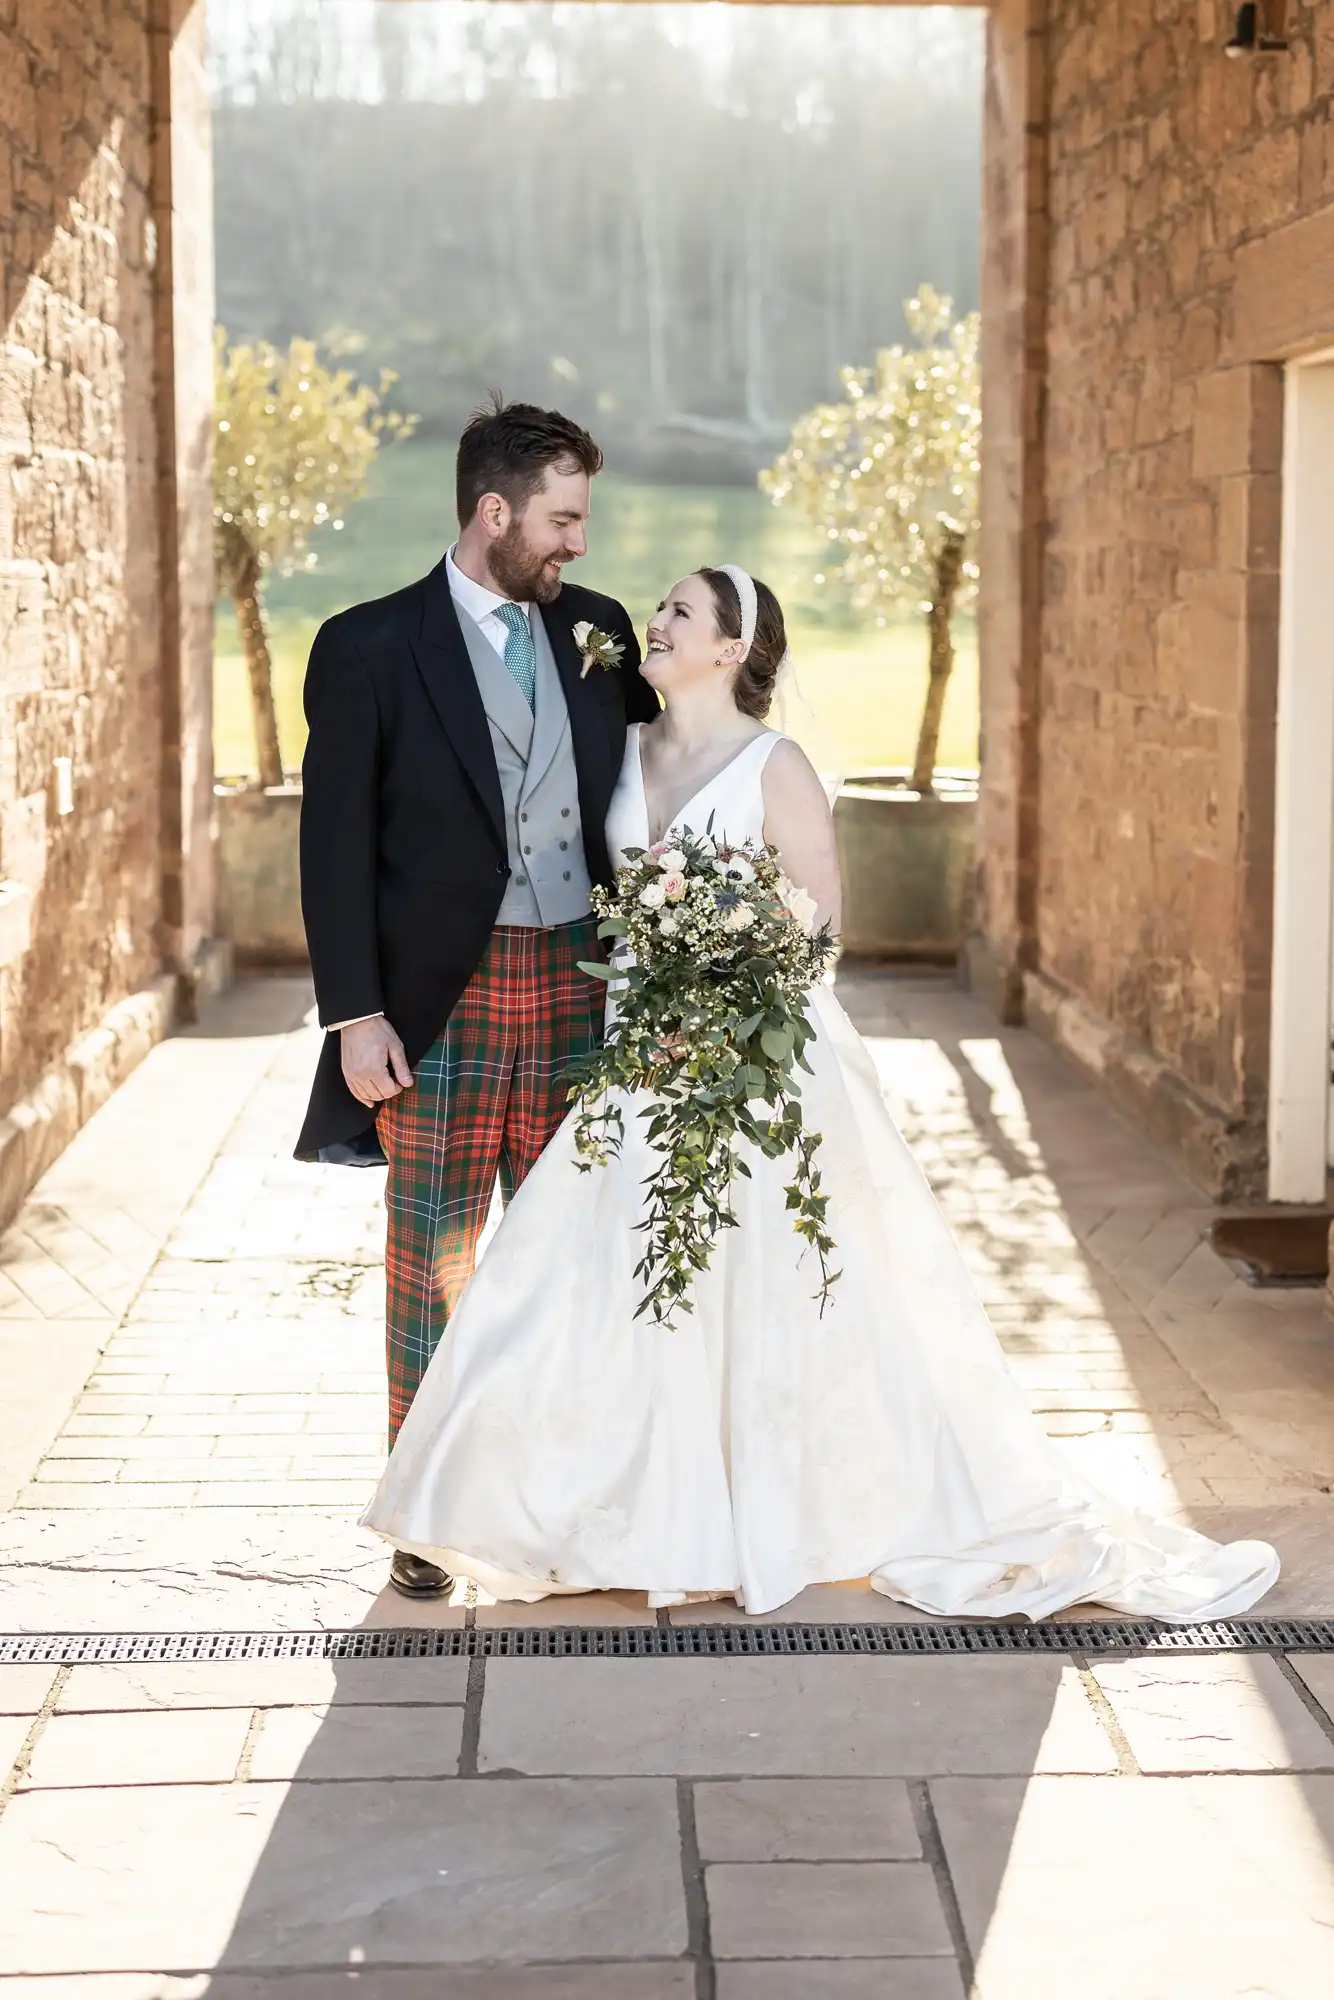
point(413, 1576)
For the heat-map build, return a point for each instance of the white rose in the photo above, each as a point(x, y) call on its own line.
point(581, 632)
point(653, 896)
point(802, 905)
point(671, 861)
point(669, 923)
point(741, 918)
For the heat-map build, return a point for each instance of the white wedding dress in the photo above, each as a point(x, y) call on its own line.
point(558, 1443)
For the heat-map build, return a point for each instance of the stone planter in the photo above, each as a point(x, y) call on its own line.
point(906, 863)
point(258, 876)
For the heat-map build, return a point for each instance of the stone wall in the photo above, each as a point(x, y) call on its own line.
point(183, 206)
point(1164, 173)
point(104, 558)
point(80, 667)
point(1014, 313)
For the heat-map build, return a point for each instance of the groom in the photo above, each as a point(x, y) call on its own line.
point(460, 763)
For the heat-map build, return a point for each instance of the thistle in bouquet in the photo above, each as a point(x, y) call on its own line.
point(715, 953)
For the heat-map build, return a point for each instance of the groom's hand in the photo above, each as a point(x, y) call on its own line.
point(375, 1065)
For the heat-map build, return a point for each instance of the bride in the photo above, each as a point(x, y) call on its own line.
point(754, 1446)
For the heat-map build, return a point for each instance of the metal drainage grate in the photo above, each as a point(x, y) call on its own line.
point(658, 1642)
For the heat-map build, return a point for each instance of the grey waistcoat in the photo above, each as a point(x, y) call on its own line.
point(548, 881)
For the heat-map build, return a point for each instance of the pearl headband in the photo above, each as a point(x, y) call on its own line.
point(744, 585)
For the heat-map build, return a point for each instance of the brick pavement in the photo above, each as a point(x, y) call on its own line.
point(242, 1360)
point(204, 1315)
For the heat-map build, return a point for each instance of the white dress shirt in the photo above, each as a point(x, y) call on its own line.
point(480, 605)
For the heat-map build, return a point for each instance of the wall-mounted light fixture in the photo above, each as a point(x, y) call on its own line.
point(1260, 29)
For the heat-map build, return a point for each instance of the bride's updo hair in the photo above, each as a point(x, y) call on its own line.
point(753, 688)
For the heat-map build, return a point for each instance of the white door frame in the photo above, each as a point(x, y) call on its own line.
point(1299, 1067)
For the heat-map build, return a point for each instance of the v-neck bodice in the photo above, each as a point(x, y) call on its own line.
point(730, 805)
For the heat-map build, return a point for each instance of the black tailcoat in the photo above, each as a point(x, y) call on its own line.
point(403, 850)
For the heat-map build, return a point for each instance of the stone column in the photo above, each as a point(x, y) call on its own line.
point(182, 190)
point(1014, 335)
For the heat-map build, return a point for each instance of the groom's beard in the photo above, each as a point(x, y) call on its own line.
point(520, 573)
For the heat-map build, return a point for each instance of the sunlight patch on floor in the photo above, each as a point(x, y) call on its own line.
point(970, 1131)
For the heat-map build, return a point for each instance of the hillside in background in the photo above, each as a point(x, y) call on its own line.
point(676, 221)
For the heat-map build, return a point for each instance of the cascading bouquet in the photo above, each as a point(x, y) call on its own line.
point(715, 953)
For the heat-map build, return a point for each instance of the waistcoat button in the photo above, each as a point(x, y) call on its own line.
point(564, 844)
point(565, 812)
point(501, 869)
point(567, 874)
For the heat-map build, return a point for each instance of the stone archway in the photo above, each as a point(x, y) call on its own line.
point(1154, 231)
point(106, 419)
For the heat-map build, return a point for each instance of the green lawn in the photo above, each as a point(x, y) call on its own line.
point(860, 688)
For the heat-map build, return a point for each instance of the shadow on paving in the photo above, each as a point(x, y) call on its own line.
point(272, 1003)
point(950, 1826)
point(608, 1828)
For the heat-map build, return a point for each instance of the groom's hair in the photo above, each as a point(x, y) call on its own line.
point(507, 447)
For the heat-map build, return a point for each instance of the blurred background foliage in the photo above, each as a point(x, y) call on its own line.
point(677, 222)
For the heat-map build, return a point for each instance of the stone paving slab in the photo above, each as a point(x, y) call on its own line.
point(806, 1819)
point(184, 1684)
point(23, 1690)
point(266, 1876)
point(191, 1747)
point(867, 1909)
point(829, 1717)
point(14, 1731)
point(213, 1569)
point(829, 1979)
point(1205, 1888)
point(1213, 1714)
point(1316, 1670)
point(362, 1742)
point(585, 1981)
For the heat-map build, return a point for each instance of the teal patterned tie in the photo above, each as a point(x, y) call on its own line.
point(520, 652)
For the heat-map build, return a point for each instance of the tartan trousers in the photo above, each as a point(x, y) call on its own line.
point(488, 1097)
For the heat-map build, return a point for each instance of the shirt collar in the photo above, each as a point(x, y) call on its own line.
point(475, 598)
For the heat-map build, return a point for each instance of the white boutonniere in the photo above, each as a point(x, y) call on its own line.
point(596, 649)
